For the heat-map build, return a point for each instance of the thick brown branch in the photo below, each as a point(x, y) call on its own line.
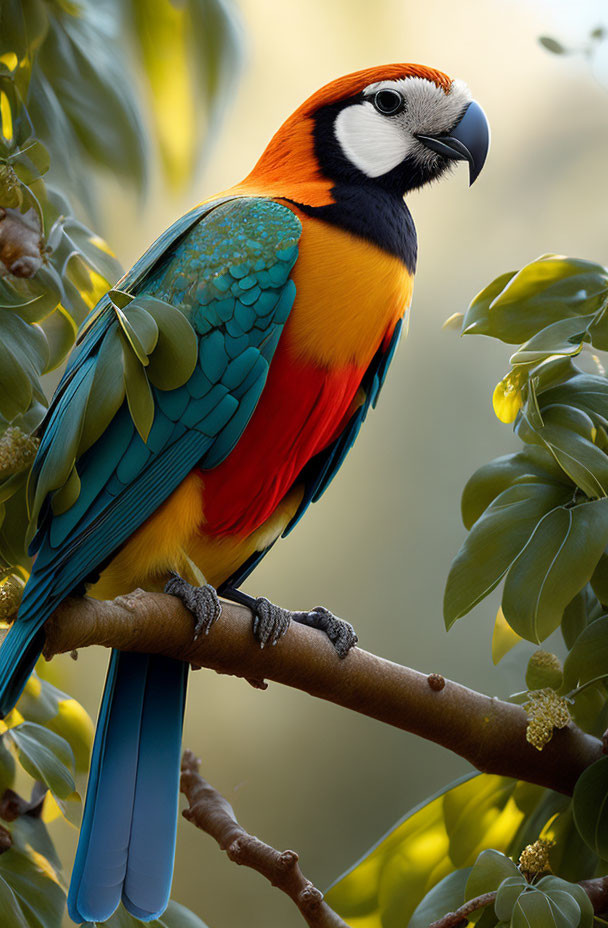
point(209, 811)
point(596, 889)
point(489, 733)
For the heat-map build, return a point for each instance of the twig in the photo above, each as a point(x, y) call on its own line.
point(489, 733)
point(209, 811)
point(461, 915)
point(596, 889)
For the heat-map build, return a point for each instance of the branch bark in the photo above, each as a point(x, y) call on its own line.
point(209, 811)
point(488, 732)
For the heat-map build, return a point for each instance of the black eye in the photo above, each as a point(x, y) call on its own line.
point(388, 102)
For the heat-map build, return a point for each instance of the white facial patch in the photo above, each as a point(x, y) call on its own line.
point(373, 143)
point(376, 143)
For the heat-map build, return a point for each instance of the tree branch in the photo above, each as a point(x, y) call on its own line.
point(488, 732)
point(209, 811)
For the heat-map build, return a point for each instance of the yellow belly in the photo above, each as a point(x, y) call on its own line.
point(171, 540)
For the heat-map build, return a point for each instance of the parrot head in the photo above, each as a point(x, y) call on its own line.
point(397, 126)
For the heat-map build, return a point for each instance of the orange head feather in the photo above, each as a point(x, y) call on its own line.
point(289, 160)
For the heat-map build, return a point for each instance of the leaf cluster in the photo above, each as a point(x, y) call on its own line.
point(537, 518)
point(460, 845)
point(45, 741)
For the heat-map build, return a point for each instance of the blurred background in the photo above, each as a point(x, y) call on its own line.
point(301, 773)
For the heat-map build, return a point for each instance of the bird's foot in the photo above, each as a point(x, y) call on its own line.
point(340, 632)
point(202, 601)
point(270, 622)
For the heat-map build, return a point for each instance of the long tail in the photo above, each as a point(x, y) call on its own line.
point(127, 838)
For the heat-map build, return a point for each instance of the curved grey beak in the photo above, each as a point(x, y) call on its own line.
point(469, 140)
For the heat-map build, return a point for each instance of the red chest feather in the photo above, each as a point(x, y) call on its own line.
point(302, 409)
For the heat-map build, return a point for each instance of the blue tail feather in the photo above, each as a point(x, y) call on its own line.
point(127, 838)
point(147, 884)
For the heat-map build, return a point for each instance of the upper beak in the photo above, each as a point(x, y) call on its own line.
point(469, 140)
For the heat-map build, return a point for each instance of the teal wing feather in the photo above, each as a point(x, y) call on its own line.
point(229, 273)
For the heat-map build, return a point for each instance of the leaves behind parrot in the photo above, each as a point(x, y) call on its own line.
point(443, 835)
point(175, 916)
point(190, 82)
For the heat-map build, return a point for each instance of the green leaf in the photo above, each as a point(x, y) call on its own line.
point(542, 293)
point(494, 542)
point(476, 319)
point(536, 909)
point(568, 854)
point(552, 45)
point(31, 161)
point(62, 451)
point(446, 896)
point(174, 358)
point(532, 465)
point(565, 337)
point(15, 385)
point(191, 81)
point(43, 703)
point(35, 886)
point(469, 816)
point(176, 916)
point(569, 433)
point(60, 333)
point(555, 565)
point(7, 768)
point(139, 394)
point(489, 870)
point(590, 806)
point(67, 495)
point(11, 913)
point(45, 756)
point(576, 615)
point(141, 330)
point(560, 892)
point(80, 61)
point(107, 390)
point(599, 580)
point(507, 896)
point(588, 657)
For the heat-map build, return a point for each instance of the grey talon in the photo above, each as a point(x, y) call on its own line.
point(341, 633)
point(270, 622)
point(202, 601)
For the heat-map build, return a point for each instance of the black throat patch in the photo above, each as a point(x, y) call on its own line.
point(373, 214)
point(371, 208)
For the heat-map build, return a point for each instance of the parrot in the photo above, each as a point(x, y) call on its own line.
point(210, 398)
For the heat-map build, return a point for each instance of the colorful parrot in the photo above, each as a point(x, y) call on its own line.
point(252, 338)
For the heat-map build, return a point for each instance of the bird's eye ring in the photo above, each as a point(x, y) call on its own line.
point(388, 102)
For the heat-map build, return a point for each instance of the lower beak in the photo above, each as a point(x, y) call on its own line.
point(469, 140)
